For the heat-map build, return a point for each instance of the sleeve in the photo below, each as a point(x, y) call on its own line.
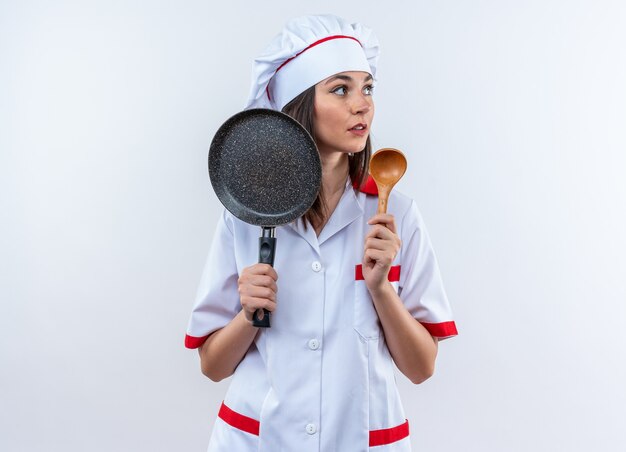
point(217, 299)
point(421, 288)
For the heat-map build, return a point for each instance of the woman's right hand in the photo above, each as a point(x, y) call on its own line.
point(257, 289)
point(224, 349)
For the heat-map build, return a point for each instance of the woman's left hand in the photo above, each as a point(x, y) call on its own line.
point(381, 247)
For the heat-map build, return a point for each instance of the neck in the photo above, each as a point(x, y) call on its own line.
point(334, 174)
point(335, 171)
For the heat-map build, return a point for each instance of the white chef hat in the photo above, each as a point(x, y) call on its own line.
point(308, 50)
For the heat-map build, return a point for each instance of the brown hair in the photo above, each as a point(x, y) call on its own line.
point(302, 109)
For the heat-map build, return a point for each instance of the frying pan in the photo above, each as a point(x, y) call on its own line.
point(265, 170)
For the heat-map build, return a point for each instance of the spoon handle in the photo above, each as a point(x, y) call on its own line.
point(383, 197)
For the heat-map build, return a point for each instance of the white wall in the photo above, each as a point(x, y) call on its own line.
point(512, 114)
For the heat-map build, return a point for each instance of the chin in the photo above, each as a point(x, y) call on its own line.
point(355, 148)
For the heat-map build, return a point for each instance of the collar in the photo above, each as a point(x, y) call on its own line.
point(348, 209)
point(369, 186)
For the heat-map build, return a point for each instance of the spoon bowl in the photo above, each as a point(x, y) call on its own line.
point(387, 166)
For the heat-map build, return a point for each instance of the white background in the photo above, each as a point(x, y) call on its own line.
point(512, 114)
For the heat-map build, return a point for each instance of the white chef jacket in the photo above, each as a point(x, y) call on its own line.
point(321, 378)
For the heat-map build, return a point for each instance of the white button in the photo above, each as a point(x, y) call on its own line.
point(311, 429)
point(316, 266)
point(314, 344)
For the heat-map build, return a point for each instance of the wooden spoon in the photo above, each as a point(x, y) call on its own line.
point(387, 167)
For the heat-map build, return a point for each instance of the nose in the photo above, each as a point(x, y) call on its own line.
point(361, 104)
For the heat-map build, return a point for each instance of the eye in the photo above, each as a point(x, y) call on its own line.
point(340, 90)
point(368, 90)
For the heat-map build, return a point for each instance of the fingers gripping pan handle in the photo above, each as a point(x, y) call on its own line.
point(267, 246)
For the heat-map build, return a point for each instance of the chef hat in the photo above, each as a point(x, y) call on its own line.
point(308, 50)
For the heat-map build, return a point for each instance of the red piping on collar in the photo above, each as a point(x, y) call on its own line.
point(369, 187)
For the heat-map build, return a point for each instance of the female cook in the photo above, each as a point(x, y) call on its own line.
point(351, 293)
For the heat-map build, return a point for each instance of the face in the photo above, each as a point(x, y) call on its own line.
point(343, 111)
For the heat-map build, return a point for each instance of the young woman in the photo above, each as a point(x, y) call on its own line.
point(351, 292)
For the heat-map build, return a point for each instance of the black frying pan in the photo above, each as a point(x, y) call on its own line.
point(265, 169)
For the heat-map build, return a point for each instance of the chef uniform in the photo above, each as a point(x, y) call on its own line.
point(321, 378)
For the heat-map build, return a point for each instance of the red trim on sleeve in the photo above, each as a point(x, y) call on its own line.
point(234, 419)
point(443, 329)
point(394, 273)
point(369, 187)
point(194, 342)
point(389, 435)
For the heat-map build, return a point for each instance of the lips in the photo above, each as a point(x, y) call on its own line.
point(359, 129)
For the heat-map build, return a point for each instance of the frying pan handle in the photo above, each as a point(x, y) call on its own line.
point(267, 246)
